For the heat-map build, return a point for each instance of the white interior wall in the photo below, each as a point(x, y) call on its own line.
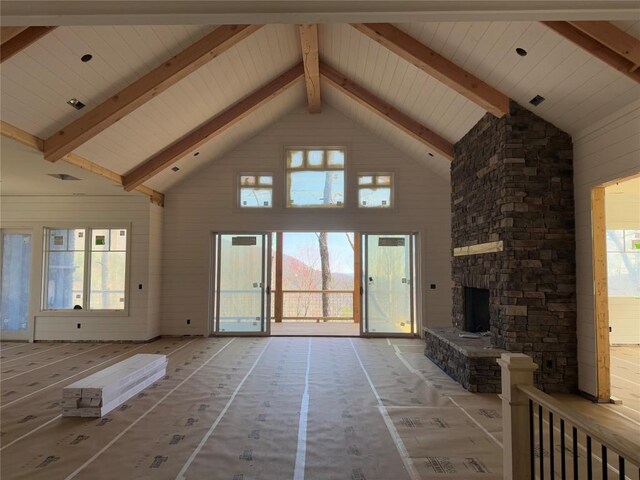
point(37, 212)
point(204, 202)
point(154, 290)
point(607, 151)
point(622, 202)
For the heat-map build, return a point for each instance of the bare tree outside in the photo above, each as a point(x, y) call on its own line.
point(325, 265)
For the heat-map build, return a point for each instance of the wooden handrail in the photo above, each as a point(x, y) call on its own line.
point(601, 434)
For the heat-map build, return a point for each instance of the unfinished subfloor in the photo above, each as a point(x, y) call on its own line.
point(625, 378)
point(252, 408)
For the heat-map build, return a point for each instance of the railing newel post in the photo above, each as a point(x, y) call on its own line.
point(517, 369)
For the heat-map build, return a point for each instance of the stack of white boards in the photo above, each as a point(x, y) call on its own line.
point(98, 394)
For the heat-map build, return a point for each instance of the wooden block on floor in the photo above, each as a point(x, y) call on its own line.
point(105, 390)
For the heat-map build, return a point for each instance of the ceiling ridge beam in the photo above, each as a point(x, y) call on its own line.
point(310, 58)
point(144, 89)
point(595, 48)
point(21, 40)
point(211, 128)
point(387, 111)
point(437, 66)
point(25, 138)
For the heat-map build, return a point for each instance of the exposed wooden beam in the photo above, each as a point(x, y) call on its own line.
point(309, 43)
point(211, 128)
point(145, 12)
point(7, 33)
point(611, 36)
point(144, 89)
point(21, 40)
point(386, 111)
point(437, 66)
point(25, 138)
point(595, 48)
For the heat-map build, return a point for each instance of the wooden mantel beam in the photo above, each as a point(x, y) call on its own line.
point(386, 111)
point(310, 58)
point(144, 89)
point(14, 41)
point(211, 128)
point(437, 66)
point(10, 131)
point(594, 46)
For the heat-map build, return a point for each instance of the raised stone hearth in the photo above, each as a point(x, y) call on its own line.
point(472, 362)
point(513, 234)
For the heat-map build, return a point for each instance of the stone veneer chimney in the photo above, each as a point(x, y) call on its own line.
point(512, 181)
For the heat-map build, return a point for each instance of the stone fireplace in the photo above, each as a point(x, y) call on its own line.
point(514, 251)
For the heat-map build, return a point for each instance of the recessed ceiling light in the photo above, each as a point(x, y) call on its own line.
point(75, 103)
point(175, 169)
point(196, 154)
point(537, 100)
point(86, 57)
point(521, 51)
point(62, 176)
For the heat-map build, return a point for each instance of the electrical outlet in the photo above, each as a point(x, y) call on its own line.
point(188, 321)
point(79, 325)
point(433, 286)
point(140, 286)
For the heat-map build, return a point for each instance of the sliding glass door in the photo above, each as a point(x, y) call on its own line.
point(241, 293)
point(388, 299)
point(15, 258)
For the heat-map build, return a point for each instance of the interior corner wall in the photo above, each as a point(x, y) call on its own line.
point(205, 202)
point(607, 151)
point(38, 212)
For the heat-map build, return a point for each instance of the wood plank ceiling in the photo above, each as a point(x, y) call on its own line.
point(36, 84)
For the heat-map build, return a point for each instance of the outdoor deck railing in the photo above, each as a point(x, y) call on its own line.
point(547, 439)
point(307, 305)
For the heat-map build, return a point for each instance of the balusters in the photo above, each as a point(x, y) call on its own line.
point(589, 459)
point(552, 469)
point(575, 453)
point(541, 440)
point(563, 461)
point(532, 441)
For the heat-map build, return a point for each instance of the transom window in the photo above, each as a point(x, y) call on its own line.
point(375, 190)
point(315, 177)
point(85, 269)
point(256, 191)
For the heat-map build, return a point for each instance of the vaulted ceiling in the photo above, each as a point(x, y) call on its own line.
point(37, 82)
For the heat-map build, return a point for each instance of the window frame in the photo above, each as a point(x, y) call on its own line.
point(323, 168)
point(86, 284)
point(391, 186)
point(238, 187)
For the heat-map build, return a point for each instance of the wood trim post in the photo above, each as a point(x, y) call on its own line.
point(357, 277)
point(279, 295)
point(601, 294)
point(516, 369)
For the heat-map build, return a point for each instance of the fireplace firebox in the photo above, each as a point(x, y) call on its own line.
point(476, 309)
